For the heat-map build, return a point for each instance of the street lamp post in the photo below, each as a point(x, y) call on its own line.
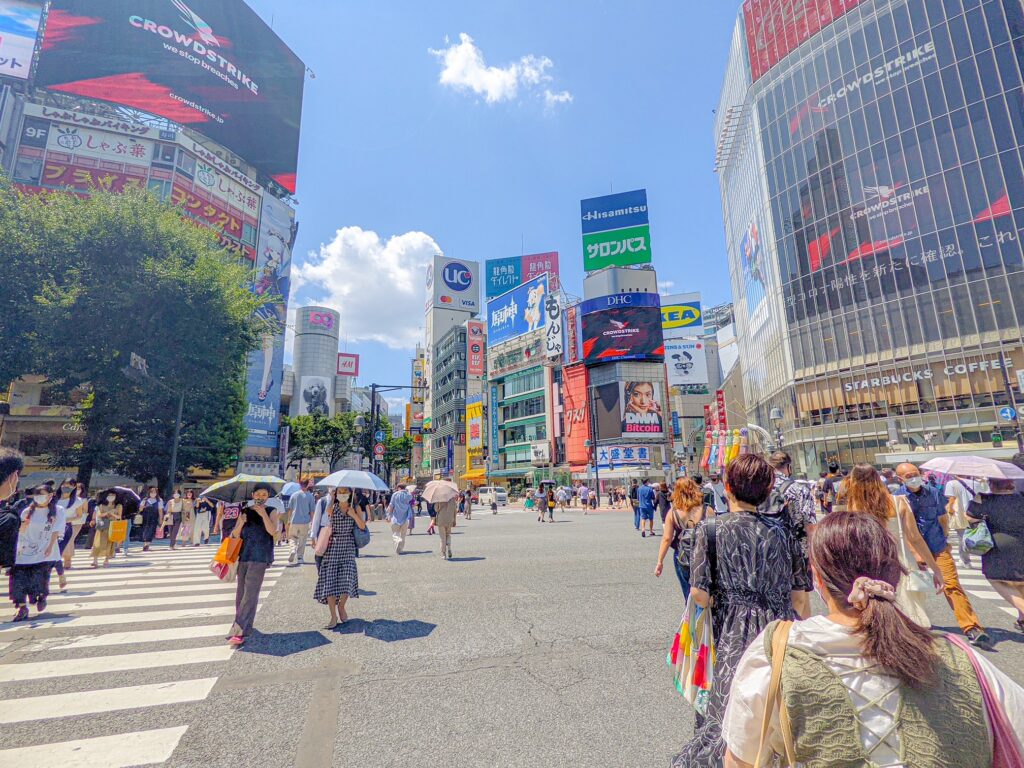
point(592, 450)
point(776, 419)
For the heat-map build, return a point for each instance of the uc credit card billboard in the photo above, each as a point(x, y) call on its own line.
point(616, 230)
point(517, 312)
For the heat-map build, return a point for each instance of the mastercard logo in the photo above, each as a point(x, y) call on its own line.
point(446, 299)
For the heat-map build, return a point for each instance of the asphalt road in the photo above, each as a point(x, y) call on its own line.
point(538, 645)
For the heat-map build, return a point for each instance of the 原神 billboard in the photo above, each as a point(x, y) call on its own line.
point(272, 279)
point(211, 65)
point(641, 409)
point(623, 333)
point(517, 312)
point(316, 397)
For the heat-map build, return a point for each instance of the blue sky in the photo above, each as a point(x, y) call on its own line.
point(388, 151)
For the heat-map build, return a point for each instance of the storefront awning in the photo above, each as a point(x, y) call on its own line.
point(476, 474)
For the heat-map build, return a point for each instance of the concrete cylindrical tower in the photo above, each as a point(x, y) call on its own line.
point(315, 360)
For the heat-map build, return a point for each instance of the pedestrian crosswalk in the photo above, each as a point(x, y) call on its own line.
point(156, 616)
point(973, 580)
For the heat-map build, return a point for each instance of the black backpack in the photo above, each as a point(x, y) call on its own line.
point(777, 508)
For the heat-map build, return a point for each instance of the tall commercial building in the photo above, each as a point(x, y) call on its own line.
point(448, 393)
point(871, 172)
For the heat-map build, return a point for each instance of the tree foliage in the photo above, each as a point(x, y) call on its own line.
point(92, 280)
point(318, 437)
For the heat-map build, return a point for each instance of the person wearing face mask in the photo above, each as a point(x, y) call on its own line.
point(257, 528)
point(152, 509)
point(67, 499)
point(106, 513)
point(929, 508)
point(11, 465)
point(42, 525)
point(174, 510)
point(715, 488)
point(338, 577)
point(75, 515)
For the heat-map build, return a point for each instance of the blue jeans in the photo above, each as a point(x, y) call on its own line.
point(636, 517)
point(128, 536)
point(683, 575)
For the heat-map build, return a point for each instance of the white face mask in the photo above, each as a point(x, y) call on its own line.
point(111, 499)
point(914, 483)
point(344, 495)
point(41, 501)
point(177, 495)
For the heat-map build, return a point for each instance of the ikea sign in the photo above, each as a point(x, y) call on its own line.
point(681, 318)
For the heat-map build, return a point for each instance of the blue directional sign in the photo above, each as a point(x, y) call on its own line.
point(1008, 414)
point(379, 436)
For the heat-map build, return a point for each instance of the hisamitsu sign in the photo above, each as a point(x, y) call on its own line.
point(616, 230)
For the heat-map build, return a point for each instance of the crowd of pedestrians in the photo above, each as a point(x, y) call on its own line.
point(869, 682)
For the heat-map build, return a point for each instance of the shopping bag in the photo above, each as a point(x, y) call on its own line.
point(160, 532)
point(978, 539)
point(185, 534)
point(692, 657)
point(118, 531)
point(223, 571)
point(229, 551)
point(323, 541)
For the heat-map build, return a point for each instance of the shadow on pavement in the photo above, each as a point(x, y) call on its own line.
point(283, 643)
point(465, 559)
point(386, 630)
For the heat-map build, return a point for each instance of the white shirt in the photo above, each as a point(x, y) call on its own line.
point(33, 541)
point(840, 649)
point(956, 489)
point(74, 514)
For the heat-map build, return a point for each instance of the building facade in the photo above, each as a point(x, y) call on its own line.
point(872, 183)
point(448, 393)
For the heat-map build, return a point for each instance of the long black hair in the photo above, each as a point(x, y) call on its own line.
point(51, 509)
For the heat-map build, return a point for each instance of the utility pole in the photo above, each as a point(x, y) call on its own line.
point(174, 446)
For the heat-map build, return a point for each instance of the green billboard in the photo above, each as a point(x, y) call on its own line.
point(618, 248)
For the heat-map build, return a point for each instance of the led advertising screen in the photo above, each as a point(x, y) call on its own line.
point(608, 411)
point(210, 65)
point(19, 27)
point(623, 333)
point(642, 414)
point(776, 29)
point(518, 312)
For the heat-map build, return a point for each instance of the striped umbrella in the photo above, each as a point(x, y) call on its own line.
point(241, 487)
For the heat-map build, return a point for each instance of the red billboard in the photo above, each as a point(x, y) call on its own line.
point(576, 414)
point(776, 28)
point(623, 333)
point(211, 65)
point(476, 340)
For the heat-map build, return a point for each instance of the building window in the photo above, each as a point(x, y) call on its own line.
point(161, 188)
point(28, 170)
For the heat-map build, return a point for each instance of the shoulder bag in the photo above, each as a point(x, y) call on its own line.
point(917, 580)
point(323, 540)
point(776, 639)
point(362, 536)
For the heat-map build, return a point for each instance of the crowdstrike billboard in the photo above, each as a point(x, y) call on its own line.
point(626, 326)
point(776, 28)
point(210, 65)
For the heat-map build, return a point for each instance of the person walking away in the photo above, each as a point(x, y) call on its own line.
point(686, 513)
point(563, 496)
point(752, 571)
point(301, 506)
point(795, 504)
point(430, 513)
point(174, 512)
point(864, 491)
point(634, 502)
point(152, 509)
point(42, 525)
point(827, 488)
point(66, 498)
point(206, 510)
point(930, 515)
point(227, 518)
point(865, 685)
point(959, 495)
point(338, 575)
point(400, 512)
point(550, 504)
point(1002, 509)
point(12, 463)
point(662, 500)
point(540, 501)
point(645, 499)
point(446, 520)
point(257, 526)
point(585, 498)
point(188, 518)
point(107, 512)
point(716, 488)
point(468, 513)
point(75, 516)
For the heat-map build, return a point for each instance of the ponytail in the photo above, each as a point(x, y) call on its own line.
point(851, 550)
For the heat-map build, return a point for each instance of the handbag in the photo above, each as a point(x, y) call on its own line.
point(138, 519)
point(229, 551)
point(159, 531)
point(118, 531)
point(323, 540)
point(362, 536)
point(917, 580)
point(1007, 751)
point(779, 640)
point(978, 538)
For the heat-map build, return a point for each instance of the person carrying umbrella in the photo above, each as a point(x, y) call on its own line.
point(257, 528)
point(338, 575)
point(444, 495)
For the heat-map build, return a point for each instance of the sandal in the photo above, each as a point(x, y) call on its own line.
point(332, 624)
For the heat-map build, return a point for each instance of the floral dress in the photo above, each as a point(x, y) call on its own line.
point(759, 565)
point(338, 573)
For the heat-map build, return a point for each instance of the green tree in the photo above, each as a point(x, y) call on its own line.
point(107, 275)
point(330, 439)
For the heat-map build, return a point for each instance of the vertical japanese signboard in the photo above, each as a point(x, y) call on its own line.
point(723, 422)
point(475, 423)
point(476, 340)
point(554, 346)
point(493, 445)
point(616, 230)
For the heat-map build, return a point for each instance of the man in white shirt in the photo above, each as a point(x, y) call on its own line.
point(959, 494)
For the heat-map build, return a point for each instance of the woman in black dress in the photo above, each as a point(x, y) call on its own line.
point(338, 578)
point(152, 509)
point(257, 528)
point(1003, 565)
point(752, 581)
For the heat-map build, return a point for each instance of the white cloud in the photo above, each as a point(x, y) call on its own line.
point(377, 286)
point(665, 287)
point(465, 69)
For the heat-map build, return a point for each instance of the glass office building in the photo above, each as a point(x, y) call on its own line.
point(869, 154)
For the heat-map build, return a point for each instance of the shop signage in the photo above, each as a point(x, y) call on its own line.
point(494, 442)
point(926, 374)
point(616, 230)
point(554, 347)
point(623, 456)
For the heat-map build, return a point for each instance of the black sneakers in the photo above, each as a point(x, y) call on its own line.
point(979, 639)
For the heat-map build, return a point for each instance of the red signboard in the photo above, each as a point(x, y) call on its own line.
point(67, 175)
point(707, 417)
point(475, 342)
point(207, 211)
point(576, 414)
point(348, 365)
point(776, 28)
point(537, 264)
point(723, 422)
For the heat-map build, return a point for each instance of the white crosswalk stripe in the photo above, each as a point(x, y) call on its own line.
point(973, 580)
point(157, 614)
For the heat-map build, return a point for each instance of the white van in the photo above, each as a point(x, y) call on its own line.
point(495, 494)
